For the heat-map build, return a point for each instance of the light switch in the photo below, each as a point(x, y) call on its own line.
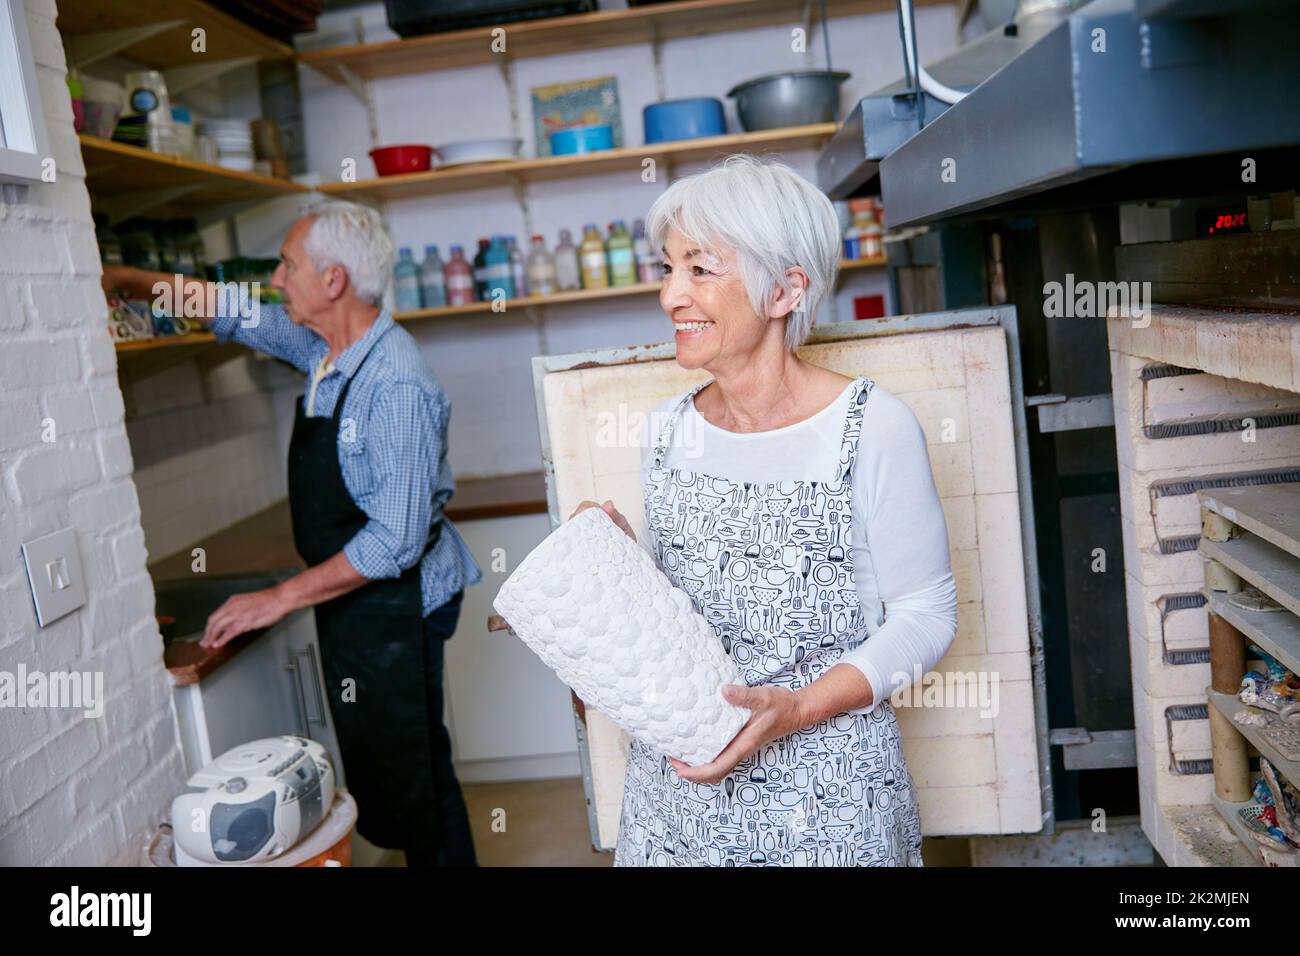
point(54, 574)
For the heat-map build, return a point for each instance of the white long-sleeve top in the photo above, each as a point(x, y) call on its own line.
point(899, 538)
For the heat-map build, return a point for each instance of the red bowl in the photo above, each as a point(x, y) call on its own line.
point(395, 160)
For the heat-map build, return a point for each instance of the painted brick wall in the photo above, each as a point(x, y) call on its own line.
point(73, 789)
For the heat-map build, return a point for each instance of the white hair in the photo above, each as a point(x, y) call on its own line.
point(352, 236)
point(771, 216)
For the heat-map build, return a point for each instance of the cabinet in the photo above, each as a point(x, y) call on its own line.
point(509, 716)
point(273, 686)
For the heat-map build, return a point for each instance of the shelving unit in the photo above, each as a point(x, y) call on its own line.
point(159, 33)
point(127, 180)
point(139, 359)
point(579, 32)
point(578, 295)
point(1250, 536)
point(549, 168)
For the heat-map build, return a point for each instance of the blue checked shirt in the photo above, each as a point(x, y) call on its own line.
point(392, 442)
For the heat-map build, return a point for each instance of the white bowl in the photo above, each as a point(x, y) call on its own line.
point(478, 151)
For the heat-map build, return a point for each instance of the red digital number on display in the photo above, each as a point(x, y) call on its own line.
point(1234, 220)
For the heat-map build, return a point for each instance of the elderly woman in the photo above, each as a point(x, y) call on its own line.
point(807, 498)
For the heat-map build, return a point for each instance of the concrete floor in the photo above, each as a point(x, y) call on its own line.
point(544, 823)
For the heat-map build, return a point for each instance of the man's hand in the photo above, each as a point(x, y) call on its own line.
point(243, 613)
point(610, 510)
point(774, 712)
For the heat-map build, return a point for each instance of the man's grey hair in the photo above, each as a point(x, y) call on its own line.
point(772, 217)
point(350, 235)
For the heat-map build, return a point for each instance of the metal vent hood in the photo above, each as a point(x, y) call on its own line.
point(1110, 102)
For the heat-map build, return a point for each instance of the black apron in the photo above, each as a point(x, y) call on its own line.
point(372, 650)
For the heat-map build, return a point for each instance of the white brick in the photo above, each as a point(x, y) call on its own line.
point(129, 554)
point(115, 451)
point(87, 847)
point(54, 471)
point(27, 780)
point(28, 364)
point(105, 505)
point(72, 303)
point(106, 618)
point(103, 783)
point(83, 252)
point(72, 787)
point(48, 823)
point(71, 412)
point(148, 803)
point(20, 425)
point(41, 8)
point(52, 87)
point(47, 45)
point(108, 404)
point(73, 749)
point(145, 645)
point(14, 307)
point(100, 356)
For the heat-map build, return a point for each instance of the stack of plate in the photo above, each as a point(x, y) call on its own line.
point(234, 142)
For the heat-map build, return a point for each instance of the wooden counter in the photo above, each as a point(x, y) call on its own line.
point(264, 542)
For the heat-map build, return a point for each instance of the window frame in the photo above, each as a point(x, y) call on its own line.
point(24, 143)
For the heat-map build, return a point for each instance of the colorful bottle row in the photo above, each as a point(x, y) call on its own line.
point(501, 270)
point(863, 239)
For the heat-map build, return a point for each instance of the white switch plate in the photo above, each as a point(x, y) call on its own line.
point(54, 574)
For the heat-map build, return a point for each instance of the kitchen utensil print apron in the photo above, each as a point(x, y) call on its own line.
point(771, 568)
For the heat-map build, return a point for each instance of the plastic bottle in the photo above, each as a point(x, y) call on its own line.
point(541, 269)
point(871, 242)
point(648, 268)
point(568, 275)
point(499, 281)
point(853, 238)
point(406, 282)
point(518, 267)
point(433, 283)
point(460, 278)
point(622, 258)
point(595, 268)
point(480, 269)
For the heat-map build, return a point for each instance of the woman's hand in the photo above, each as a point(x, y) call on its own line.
point(774, 712)
point(610, 510)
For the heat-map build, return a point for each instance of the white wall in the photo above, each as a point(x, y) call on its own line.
point(483, 362)
point(73, 790)
point(203, 465)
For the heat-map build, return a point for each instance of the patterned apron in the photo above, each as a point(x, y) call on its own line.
point(771, 569)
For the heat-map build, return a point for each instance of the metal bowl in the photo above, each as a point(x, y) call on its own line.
point(797, 98)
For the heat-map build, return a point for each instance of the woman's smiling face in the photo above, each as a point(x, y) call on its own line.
point(703, 294)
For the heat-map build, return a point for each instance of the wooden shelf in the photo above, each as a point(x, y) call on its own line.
point(139, 358)
point(226, 38)
point(116, 170)
point(576, 33)
point(1228, 705)
point(524, 302)
point(625, 159)
point(577, 295)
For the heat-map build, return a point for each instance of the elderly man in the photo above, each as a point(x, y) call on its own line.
point(368, 481)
